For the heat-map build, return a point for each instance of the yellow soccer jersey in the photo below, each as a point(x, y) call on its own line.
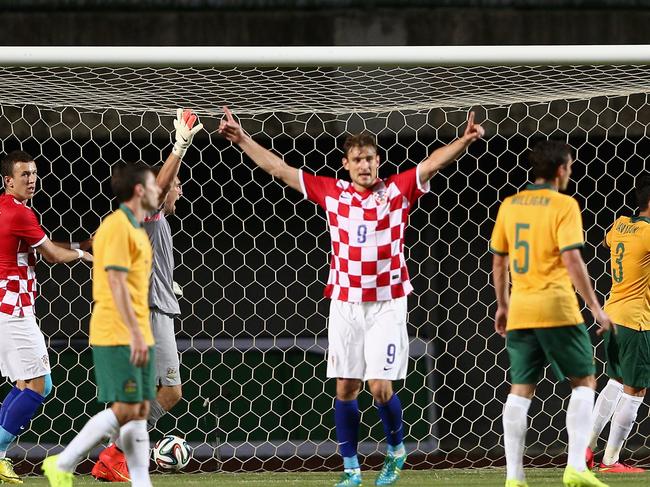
point(533, 228)
point(629, 300)
point(120, 243)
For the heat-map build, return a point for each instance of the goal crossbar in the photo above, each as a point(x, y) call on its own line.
point(202, 56)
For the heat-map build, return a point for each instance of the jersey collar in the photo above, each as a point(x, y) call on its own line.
point(366, 191)
point(540, 186)
point(637, 218)
point(130, 216)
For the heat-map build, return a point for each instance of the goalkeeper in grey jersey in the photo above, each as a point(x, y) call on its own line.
point(163, 302)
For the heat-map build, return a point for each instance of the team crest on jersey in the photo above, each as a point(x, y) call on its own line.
point(380, 196)
point(130, 386)
point(172, 372)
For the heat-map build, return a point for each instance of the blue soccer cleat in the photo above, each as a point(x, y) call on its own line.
point(391, 470)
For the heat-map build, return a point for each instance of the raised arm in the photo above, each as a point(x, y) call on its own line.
point(264, 158)
point(572, 260)
point(442, 157)
point(185, 131)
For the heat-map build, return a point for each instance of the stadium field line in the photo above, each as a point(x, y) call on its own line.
point(537, 477)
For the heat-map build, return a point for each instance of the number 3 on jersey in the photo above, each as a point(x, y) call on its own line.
point(520, 265)
point(617, 265)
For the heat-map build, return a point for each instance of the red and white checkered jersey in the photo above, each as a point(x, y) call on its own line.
point(367, 232)
point(20, 233)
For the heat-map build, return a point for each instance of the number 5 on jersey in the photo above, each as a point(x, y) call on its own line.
point(519, 264)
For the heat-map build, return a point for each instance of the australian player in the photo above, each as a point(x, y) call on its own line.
point(120, 332)
point(628, 351)
point(368, 281)
point(111, 465)
point(538, 236)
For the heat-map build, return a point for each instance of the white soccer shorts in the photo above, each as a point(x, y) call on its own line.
point(167, 361)
point(368, 340)
point(23, 355)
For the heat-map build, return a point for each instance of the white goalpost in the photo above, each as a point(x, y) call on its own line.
point(252, 257)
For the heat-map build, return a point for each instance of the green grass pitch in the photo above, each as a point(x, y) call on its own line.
point(410, 478)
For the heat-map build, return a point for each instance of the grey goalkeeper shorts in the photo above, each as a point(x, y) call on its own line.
point(167, 359)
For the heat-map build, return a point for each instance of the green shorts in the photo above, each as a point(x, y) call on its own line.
point(568, 349)
point(628, 356)
point(118, 380)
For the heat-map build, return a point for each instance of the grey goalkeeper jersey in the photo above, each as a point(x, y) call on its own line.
point(161, 291)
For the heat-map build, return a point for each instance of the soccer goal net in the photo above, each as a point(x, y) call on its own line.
point(252, 256)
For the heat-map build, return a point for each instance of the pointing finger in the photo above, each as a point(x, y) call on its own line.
point(470, 119)
point(228, 114)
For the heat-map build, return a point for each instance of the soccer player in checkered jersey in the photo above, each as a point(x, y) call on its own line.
point(628, 351)
point(23, 356)
point(112, 465)
point(538, 236)
point(368, 281)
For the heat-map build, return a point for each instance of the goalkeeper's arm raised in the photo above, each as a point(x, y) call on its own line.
point(264, 158)
point(185, 130)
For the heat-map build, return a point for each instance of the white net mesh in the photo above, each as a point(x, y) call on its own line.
point(252, 258)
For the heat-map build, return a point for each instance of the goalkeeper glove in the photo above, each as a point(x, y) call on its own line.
point(185, 131)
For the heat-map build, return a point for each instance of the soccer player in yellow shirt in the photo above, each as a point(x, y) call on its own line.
point(120, 331)
point(538, 236)
point(628, 352)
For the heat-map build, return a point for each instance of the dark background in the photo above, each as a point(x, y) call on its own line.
point(323, 22)
point(252, 257)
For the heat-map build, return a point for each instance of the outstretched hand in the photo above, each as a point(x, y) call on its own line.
point(473, 131)
point(229, 128)
point(185, 131)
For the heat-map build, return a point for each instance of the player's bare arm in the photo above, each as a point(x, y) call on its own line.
point(56, 254)
point(442, 157)
point(264, 158)
point(83, 245)
point(572, 260)
point(122, 299)
point(502, 289)
point(185, 130)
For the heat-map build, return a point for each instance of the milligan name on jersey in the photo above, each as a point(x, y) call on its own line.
point(625, 228)
point(531, 200)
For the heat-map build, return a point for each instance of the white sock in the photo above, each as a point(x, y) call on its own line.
point(156, 411)
point(604, 408)
point(579, 425)
point(99, 426)
point(515, 416)
point(622, 423)
point(135, 440)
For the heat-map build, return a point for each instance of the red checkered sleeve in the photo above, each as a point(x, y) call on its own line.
point(317, 188)
point(25, 226)
point(409, 185)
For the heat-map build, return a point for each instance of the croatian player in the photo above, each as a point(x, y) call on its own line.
point(538, 235)
point(23, 356)
point(163, 304)
point(628, 352)
point(120, 333)
point(368, 281)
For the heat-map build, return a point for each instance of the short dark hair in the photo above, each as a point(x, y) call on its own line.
point(10, 160)
point(642, 190)
point(126, 177)
point(547, 156)
point(363, 139)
